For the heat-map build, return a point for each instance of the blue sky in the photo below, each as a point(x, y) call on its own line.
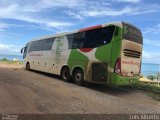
point(23, 20)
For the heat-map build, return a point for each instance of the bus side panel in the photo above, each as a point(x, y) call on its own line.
point(103, 54)
point(116, 53)
point(77, 59)
point(59, 55)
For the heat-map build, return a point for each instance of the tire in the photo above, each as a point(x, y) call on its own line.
point(78, 77)
point(28, 67)
point(65, 74)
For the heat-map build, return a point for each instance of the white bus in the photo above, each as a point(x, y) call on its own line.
point(108, 53)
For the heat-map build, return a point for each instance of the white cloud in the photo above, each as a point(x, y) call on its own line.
point(126, 10)
point(31, 14)
point(78, 9)
point(9, 49)
point(152, 30)
point(105, 12)
point(101, 9)
point(4, 26)
point(151, 57)
point(152, 42)
point(146, 55)
point(130, 1)
point(74, 15)
point(60, 3)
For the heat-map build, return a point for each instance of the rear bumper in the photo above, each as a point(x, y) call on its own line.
point(123, 81)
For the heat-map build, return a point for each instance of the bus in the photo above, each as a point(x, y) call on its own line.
point(106, 54)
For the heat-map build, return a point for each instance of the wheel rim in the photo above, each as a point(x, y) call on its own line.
point(65, 75)
point(78, 77)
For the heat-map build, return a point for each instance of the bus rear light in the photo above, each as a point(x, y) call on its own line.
point(117, 68)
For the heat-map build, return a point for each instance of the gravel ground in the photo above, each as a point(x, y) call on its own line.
point(26, 92)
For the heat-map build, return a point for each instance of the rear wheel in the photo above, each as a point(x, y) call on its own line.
point(65, 74)
point(78, 77)
point(28, 67)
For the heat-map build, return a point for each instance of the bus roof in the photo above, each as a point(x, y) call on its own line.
point(119, 24)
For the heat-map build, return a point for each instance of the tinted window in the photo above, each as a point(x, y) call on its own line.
point(132, 33)
point(32, 46)
point(47, 45)
point(98, 37)
point(41, 45)
point(70, 40)
point(91, 39)
point(78, 40)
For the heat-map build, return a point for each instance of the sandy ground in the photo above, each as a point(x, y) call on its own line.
point(29, 92)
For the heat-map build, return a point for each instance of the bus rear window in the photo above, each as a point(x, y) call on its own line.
point(132, 33)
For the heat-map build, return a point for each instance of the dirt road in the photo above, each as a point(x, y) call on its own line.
point(28, 92)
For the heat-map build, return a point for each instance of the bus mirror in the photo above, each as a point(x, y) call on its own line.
point(22, 50)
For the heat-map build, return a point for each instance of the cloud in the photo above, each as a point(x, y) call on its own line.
point(9, 49)
point(151, 57)
point(100, 9)
point(4, 26)
point(129, 1)
point(152, 30)
point(31, 14)
point(152, 42)
point(146, 55)
point(60, 3)
point(74, 15)
point(105, 12)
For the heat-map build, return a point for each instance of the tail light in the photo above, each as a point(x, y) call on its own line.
point(117, 68)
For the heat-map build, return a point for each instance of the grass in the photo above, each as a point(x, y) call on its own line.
point(4, 60)
point(151, 90)
point(147, 87)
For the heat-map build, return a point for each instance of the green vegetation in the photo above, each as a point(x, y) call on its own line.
point(141, 75)
point(147, 87)
point(152, 77)
point(152, 90)
point(4, 60)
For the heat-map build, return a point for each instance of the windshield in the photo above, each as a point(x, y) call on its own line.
point(132, 33)
point(25, 50)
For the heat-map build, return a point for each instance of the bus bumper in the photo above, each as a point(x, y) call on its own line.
point(123, 81)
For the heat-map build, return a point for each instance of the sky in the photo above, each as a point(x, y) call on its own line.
point(23, 20)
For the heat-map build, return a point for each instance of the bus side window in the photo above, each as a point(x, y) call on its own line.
point(31, 48)
point(47, 45)
point(98, 37)
point(39, 45)
point(78, 40)
point(70, 40)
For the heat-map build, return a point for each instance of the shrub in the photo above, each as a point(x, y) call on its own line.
point(146, 87)
point(4, 59)
point(151, 77)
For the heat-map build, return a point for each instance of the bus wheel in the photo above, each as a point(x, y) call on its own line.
point(65, 74)
point(78, 77)
point(28, 66)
